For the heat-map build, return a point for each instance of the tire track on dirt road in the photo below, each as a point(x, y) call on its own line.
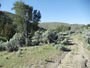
point(76, 59)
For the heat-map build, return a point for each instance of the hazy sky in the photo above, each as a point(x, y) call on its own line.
point(69, 11)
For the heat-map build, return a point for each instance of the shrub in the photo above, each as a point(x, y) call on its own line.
point(4, 39)
point(49, 37)
point(37, 37)
point(45, 40)
point(60, 47)
point(87, 40)
point(62, 28)
point(71, 32)
point(14, 43)
point(11, 48)
point(44, 37)
point(18, 39)
point(65, 41)
point(35, 42)
point(60, 36)
point(2, 48)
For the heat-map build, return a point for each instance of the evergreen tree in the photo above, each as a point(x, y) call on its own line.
point(7, 29)
point(24, 15)
point(0, 5)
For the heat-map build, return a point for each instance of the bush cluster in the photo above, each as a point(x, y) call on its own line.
point(87, 40)
point(44, 37)
point(39, 37)
point(13, 44)
point(48, 36)
point(2, 48)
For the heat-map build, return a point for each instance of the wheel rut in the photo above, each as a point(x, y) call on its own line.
point(79, 59)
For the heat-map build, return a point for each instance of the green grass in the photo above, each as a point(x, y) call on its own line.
point(29, 56)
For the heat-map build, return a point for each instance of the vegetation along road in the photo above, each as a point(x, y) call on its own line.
point(79, 57)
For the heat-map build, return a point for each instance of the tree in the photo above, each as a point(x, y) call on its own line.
point(7, 29)
point(87, 26)
point(24, 15)
point(0, 5)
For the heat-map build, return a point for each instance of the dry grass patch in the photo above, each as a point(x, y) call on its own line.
point(35, 55)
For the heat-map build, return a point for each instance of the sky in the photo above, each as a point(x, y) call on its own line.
point(67, 11)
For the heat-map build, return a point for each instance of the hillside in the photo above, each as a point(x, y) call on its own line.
point(53, 25)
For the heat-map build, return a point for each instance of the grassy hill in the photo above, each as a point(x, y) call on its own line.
point(53, 25)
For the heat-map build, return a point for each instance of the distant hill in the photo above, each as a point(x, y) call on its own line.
point(53, 25)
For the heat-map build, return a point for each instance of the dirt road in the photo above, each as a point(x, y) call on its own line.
point(79, 57)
